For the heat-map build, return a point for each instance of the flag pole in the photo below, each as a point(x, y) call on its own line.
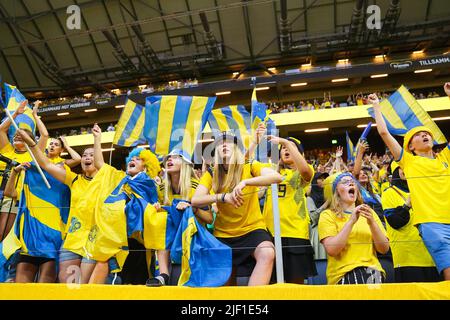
point(28, 149)
point(277, 234)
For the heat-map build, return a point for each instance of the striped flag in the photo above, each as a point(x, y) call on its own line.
point(13, 98)
point(232, 118)
point(259, 111)
point(129, 130)
point(402, 112)
point(176, 122)
point(351, 150)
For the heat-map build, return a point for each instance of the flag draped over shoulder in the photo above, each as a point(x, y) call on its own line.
point(117, 207)
point(402, 112)
point(42, 215)
point(205, 261)
point(176, 122)
point(259, 111)
point(232, 118)
point(13, 98)
point(351, 150)
point(129, 130)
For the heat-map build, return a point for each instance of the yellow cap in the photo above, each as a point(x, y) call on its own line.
point(411, 133)
point(328, 186)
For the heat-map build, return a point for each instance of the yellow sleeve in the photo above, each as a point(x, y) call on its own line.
point(386, 199)
point(306, 183)
point(327, 226)
point(70, 176)
point(445, 153)
point(194, 185)
point(255, 168)
point(7, 150)
point(405, 158)
point(206, 180)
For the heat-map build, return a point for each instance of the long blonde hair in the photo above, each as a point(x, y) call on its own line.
point(335, 204)
point(224, 181)
point(186, 173)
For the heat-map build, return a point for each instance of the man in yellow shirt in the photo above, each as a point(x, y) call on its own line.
point(428, 177)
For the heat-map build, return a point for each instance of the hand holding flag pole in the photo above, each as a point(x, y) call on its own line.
point(28, 148)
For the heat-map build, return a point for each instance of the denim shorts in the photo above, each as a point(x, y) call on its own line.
point(65, 255)
point(436, 237)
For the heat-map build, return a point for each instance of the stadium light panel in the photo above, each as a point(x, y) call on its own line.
point(379, 75)
point(62, 114)
point(339, 80)
point(316, 130)
point(423, 70)
point(299, 84)
point(222, 93)
point(90, 110)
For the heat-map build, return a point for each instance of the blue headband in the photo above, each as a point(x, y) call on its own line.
point(339, 178)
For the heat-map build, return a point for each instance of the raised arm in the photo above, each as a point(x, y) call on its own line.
point(388, 139)
point(256, 140)
point(76, 158)
point(43, 161)
point(362, 147)
point(10, 188)
point(98, 154)
point(7, 123)
point(43, 133)
point(300, 162)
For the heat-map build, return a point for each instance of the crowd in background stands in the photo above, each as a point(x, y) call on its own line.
point(171, 85)
point(327, 102)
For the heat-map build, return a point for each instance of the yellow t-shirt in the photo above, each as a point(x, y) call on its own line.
point(429, 183)
point(406, 244)
point(9, 152)
point(57, 160)
point(294, 214)
point(359, 251)
point(172, 196)
point(235, 222)
point(78, 184)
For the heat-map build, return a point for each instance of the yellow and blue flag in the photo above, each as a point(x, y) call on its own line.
point(402, 112)
point(351, 150)
point(266, 148)
point(130, 128)
point(176, 122)
point(7, 248)
point(259, 111)
point(205, 261)
point(13, 98)
point(42, 215)
point(232, 118)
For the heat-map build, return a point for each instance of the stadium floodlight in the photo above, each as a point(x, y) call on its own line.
point(299, 84)
point(222, 93)
point(423, 70)
point(339, 80)
point(382, 75)
point(316, 130)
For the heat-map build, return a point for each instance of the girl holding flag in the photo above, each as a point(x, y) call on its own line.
point(428, 177)
point(179, 183)
point(78, 184)
point(232, 184)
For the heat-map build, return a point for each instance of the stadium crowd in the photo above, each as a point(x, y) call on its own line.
point(353, 213)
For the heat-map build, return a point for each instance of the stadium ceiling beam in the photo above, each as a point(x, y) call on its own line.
point(8, 65)
point(390, 19)
point(356, 21)
point(188, 7)
point(20, 41)
point(248, 30)
point(427, 12)
point(219, 20)
point(161, 13)
point(64, 32)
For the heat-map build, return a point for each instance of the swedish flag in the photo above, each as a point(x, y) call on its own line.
point(205, 261)
point(13, 99)
point(259, 111)
point(7, 248)
point(351, 150)
point(402, 112)
point(232, 118)
point(42, 215)
point(129, 130)
point(176, 122)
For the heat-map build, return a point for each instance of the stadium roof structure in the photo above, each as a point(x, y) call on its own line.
point(123, 43)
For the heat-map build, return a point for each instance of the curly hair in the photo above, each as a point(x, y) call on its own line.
point(149, 158)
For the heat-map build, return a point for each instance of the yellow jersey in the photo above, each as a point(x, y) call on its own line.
point(235, 222)
point(294, 214)
point(408, 249)
point(172, 196)
point(429, 184)
point(359, 250)
point(78, 184)
point(9, 152)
